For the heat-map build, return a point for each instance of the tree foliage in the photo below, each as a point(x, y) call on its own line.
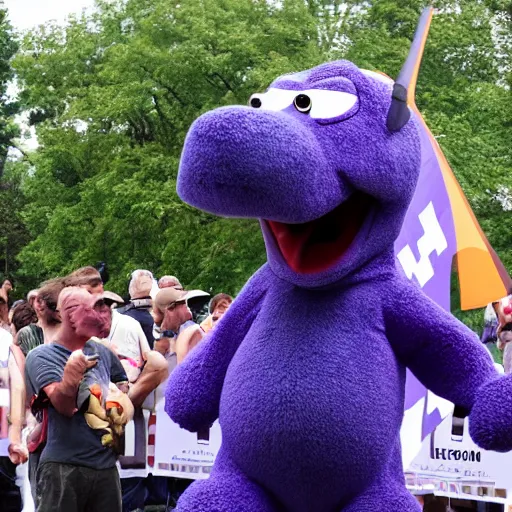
point(8, 129)
point(112, 95)
point(12, 232)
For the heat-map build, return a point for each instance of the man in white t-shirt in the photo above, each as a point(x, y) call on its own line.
point(140, 486)
point(10, 496)
point(129, 342)
point(145, 368)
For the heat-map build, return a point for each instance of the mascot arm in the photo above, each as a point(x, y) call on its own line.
point(445, 355)
point(193, 392)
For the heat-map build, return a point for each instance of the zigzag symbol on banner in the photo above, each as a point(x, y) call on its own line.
point(433, 239)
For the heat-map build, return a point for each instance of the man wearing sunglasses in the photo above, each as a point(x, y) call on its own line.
point(178, 334)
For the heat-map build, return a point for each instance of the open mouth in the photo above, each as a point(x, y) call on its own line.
point(317, 245)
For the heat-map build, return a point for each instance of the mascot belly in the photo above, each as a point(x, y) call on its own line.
point(316, 397)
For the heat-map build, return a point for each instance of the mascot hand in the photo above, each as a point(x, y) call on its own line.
point(490, 421)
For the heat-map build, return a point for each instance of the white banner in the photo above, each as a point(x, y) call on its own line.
point(455, 466)
point(180, 453)
point(411, 431)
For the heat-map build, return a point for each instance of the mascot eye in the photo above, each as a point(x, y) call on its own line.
point(329, 105)
point(302, 103)
point(255, 102)
point(273, 99)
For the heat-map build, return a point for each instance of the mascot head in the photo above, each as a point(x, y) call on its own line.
point(327, 159)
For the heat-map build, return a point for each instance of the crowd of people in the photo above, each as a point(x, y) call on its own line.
point(77, 363)
point(497, 331)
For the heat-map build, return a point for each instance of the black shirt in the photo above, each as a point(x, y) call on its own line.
point(143, 316)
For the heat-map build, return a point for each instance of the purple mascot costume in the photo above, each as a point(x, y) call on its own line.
point(306, 371)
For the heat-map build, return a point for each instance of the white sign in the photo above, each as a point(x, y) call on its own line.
point(457, 466)
point(183, 454)
point(4, 397)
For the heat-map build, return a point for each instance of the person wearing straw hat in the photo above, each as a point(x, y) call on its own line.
point(171, 312)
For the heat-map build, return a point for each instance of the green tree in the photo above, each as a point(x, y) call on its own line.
point(112, 95)
point(12, 232)
point(8, 129)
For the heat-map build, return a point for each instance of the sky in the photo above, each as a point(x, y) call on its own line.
point(25, 14)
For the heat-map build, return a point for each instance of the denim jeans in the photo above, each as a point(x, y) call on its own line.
point(69, 488)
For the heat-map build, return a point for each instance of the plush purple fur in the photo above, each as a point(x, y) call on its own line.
point(306, 371)
point(490, 422)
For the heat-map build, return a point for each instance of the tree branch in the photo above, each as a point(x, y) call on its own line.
point(169, 89)
point(224, 81)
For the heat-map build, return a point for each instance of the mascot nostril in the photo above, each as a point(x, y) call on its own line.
point(306, 371)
